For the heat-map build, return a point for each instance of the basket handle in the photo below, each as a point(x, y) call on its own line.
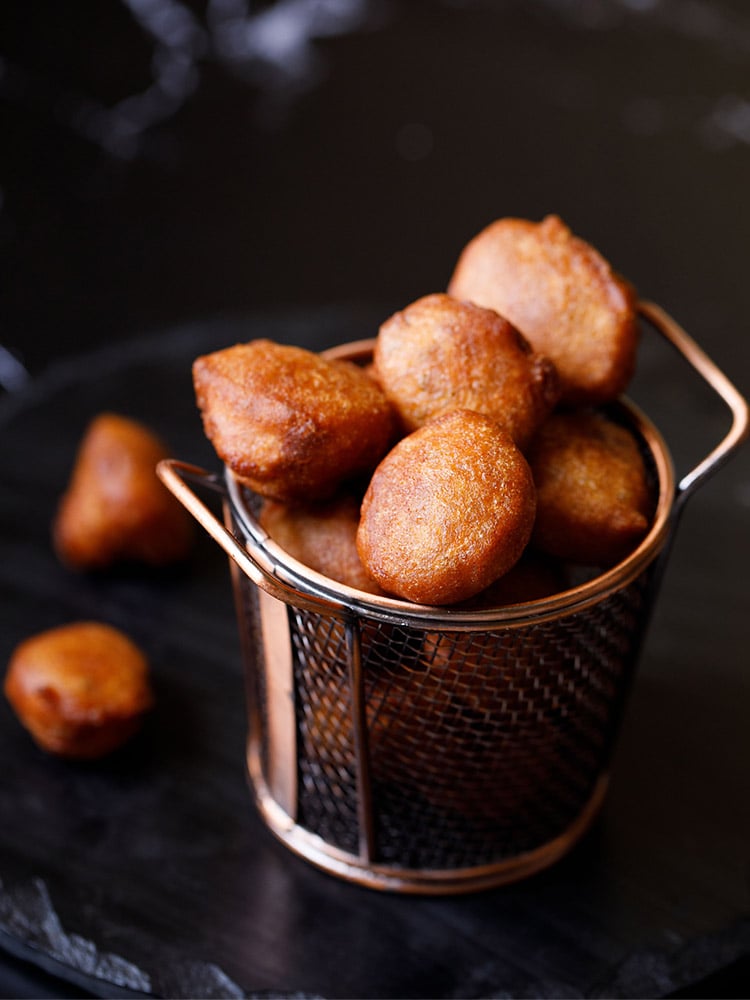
point(721, 385)
point(174, 474)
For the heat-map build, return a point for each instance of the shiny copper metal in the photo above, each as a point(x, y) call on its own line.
point(511, 778)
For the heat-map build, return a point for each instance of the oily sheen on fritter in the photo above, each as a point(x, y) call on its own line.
point(291, 424)
point(81, 689)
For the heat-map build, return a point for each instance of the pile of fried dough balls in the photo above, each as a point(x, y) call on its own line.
point(472, 459)
point(82, 689)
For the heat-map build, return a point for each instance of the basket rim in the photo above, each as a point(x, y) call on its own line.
point(314, 588)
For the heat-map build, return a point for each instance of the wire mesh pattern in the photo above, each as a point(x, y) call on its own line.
point(430, 751)
point(410, 750)
point(481, 745)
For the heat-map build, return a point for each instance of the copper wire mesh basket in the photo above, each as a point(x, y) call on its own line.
point(427, 749)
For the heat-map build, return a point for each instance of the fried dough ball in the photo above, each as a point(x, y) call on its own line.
point(115, 508)
point(81, 690)
point(441, 354)
point(593, 499)
point(562, 295)
point(321, 536)
point(291, 424)
point(447, 511)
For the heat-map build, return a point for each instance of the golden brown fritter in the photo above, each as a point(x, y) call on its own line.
point(291, 424)
point(441, 354)
point(81, 690)
point(449, 510)
point(115, 507)
point(321, 536)
point(562, 295)
point(593, 498)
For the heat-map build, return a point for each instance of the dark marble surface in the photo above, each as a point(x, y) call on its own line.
point(175, 175)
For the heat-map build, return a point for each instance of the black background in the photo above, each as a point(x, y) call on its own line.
point(163, 190)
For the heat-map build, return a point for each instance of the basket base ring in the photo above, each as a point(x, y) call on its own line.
point(318, 852)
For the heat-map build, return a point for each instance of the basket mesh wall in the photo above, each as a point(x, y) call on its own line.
point(481, 745)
